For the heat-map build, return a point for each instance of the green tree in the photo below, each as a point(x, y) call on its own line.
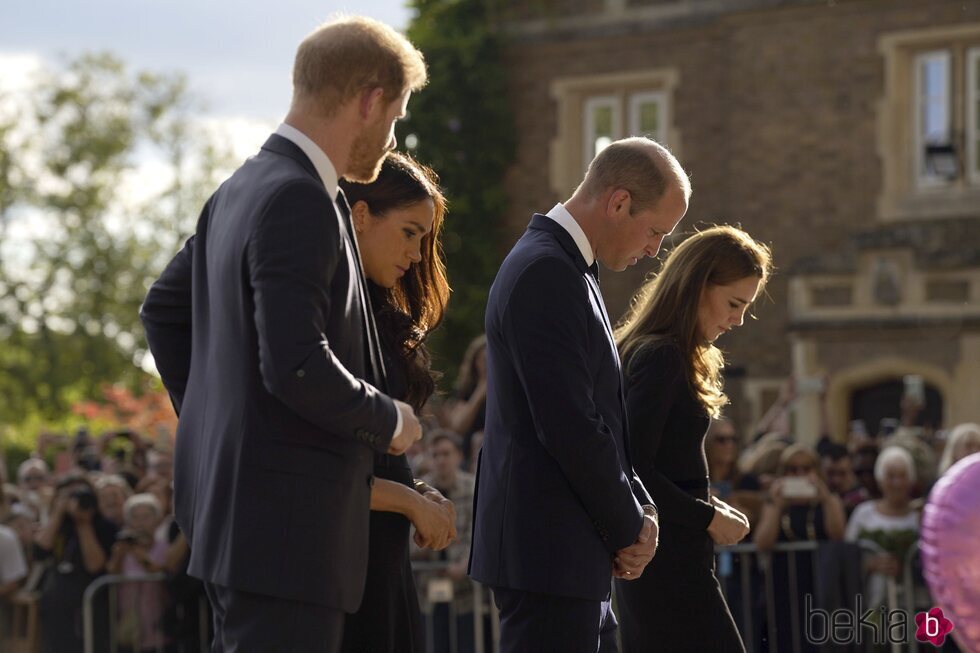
point(80, 236)
point(461, 126)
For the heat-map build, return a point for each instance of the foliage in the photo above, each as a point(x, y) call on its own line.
point(81, 234)
point(461, 126)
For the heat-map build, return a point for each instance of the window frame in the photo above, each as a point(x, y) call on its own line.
point(663, 115)
point(921, 179)
point(971, 133)
point(589, 107)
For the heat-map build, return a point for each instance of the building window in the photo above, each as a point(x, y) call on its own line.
point(602, 124)
point(595, 110)
point(973, 115)
point(648, 115)
point(603, 119)
point(929, 140)
point(934, 149)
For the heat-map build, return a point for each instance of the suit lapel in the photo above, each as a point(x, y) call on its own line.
point(375, 360)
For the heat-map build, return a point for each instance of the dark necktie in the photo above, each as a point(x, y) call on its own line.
point(374, 350)
point(594, 269)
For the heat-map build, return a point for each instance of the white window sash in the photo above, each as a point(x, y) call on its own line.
point(923, 179)
point(663, 114)
point(592, 104)
point(972, 98)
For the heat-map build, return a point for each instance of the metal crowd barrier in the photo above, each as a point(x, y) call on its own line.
point(486, 623)
point(484, 610)
point(111, 584)
point(745, 615)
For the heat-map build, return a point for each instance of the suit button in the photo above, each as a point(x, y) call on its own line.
point(300, 373)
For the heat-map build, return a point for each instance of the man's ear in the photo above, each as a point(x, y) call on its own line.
point(359, 215)
point(618, 203)
point(369, 100)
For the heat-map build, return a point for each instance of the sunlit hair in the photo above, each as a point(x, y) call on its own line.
point(144, 500)
point(639, 165)
point(961, 433)
point(467, 379)
point(415, 305)
point(666, 306)
point(113, 480)
point(29, 465)
point(890, 455)
point(350, 54)
point(797, 450)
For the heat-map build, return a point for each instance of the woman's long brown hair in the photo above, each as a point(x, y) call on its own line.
point(666, 306)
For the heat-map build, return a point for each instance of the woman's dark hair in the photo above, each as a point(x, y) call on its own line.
point(409, 311)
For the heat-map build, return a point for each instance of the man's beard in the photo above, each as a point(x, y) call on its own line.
point(367, 154)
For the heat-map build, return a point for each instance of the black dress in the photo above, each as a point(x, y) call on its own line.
point(389, 619)
point(677, 604)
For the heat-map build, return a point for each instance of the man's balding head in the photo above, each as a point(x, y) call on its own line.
point(639, 165)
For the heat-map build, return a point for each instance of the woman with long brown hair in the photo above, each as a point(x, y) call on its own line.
point(673, 387)
point(397, 219)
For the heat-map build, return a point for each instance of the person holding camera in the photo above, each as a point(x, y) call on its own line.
point(75, 544)
point(800, 507)
point(138, 552)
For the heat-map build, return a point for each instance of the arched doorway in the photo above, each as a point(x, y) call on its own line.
point(882, 400)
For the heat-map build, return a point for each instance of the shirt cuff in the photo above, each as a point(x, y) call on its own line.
point(398, 423)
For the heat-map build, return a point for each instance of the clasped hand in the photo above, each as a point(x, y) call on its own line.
point(728, 526)
point(435, 521)
point(630, 562)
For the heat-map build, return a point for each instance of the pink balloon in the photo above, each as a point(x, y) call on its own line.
point(950, 544)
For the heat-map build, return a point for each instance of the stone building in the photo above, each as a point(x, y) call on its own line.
point(844, 133)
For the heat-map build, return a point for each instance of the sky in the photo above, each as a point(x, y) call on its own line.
point(237, 54)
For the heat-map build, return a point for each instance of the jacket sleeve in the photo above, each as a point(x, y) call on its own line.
point(292, 260)
point(546, 323)
point(166, 317)
point(656, 378)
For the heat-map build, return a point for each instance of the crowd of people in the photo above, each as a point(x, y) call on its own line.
point(868, 490)
point(83, 506)
point(108, 511)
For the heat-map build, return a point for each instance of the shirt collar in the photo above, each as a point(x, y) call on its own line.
point(319, 159)
point(561, 215)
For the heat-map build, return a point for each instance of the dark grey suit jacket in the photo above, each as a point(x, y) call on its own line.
point(259, 328)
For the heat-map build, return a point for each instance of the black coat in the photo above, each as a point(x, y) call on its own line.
point(258, 328)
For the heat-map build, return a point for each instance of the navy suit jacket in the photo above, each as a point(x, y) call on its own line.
point(260, 332)
point(556, 494)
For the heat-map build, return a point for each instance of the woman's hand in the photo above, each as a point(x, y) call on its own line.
point(434, 518)
point(728, 526)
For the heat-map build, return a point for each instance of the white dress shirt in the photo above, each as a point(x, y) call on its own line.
point(561, 215)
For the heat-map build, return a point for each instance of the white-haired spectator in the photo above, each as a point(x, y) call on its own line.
point(113, 491)
point(961, 442)
point(891, 522)
point(34, 483)
point(136, 553)
point(13, 564)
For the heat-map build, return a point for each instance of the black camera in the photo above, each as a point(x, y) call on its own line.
point(129, 536)
point(85, 498)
